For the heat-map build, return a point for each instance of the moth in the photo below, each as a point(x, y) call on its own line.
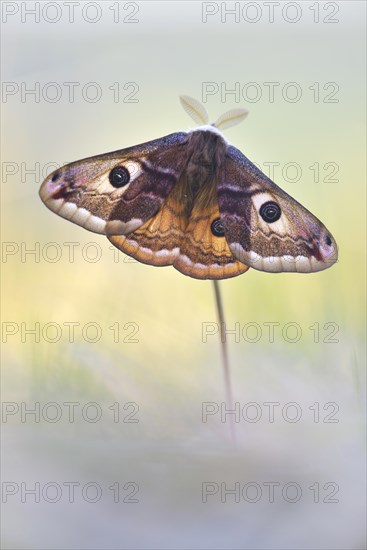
point(193, 201)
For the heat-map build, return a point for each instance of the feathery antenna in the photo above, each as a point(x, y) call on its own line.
point(230, 118)
point(194, 109)
point(198, 113)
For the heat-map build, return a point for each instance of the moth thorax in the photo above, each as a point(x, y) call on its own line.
point(206, 154)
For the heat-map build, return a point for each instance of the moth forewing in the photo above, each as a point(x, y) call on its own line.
point(265, 227)
point(115, 193)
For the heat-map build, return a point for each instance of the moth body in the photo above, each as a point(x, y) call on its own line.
point(205, 155)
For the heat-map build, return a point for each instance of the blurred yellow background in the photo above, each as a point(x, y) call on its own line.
point(170, 369)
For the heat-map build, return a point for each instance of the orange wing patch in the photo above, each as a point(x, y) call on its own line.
point(158, 241)
point(187, 243)
point(202, 254)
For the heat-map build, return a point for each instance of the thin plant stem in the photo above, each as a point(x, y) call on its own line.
point(225, 357)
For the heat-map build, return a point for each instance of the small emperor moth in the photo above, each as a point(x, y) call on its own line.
point(191, 200)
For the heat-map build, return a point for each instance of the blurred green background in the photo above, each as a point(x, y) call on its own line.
point(170, 369)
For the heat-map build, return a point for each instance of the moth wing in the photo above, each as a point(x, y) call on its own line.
point(183, 240)
point(296, 241)
point(204, 255)
point(157, 241)
point(83, 193)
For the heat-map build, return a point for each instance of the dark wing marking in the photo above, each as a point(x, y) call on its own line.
point(297, 241)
